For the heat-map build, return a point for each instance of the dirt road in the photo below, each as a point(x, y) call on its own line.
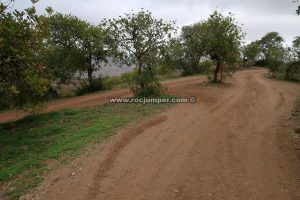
point(233, 144)
point(88, 100)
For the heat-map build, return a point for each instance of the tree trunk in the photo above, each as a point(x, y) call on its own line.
point(90, 76)
point(221, 72)
point(217, 70)
point(90, 71)
point(287, 73)
point(142, 85)
point(194, 67)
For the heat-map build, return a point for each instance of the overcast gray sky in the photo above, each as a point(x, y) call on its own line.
point(258, 16)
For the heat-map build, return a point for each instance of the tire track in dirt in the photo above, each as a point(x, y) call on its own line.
point(107, 164)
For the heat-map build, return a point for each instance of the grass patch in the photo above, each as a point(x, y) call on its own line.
point(27, 144)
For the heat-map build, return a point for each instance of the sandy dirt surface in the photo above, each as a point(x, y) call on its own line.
point(233, 144)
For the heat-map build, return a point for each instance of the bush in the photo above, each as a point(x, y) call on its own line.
point(261, 63)
point(152, 86)
point(97, 85)
point(127, 77)
point(276, 66)
point(292, 71)
point(51, 94)
point(206, 64)
point(165, 69)
point(189, 69)
point(111, 82)
point(152, 89)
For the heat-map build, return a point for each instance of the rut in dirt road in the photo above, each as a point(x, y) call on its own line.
point(228, 145)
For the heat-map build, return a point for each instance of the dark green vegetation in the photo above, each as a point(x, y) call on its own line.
point(29, 144)
point(23, 80)
point(269, 51)
point(223, 43)
point(74, 46)
point(212, 46)
point(140, 39)
point(39, 53)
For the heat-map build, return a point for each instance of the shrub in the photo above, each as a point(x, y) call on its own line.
point(96, 85)
point(127, 77)
point(165, 69)
point(292, 71)
point(152, 86)
point(206, 64)
point(111, 82)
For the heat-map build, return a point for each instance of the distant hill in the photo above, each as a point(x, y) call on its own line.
point(111, 69)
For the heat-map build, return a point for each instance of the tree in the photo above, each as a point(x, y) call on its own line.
point(5, 5)
point(96, 47)
point(23, 77)
point(173, 56)
point(64, 57)
point(272, 50)
point(250, 53)
point(298, 10)
point(293, 67)
point(193, 46)
point(223, 38)
point(75, 46)
point(270, 42)
point(252, 50)
point(140, 40)
point(296, 48)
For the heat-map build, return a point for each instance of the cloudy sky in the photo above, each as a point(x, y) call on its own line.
point(257, 16)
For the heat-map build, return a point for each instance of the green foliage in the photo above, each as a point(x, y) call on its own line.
point(186, 52)
point(267, 52)
point(111, 82)
point(152, 86)
point(94, 86)
point(283, 63)
point(75, 46)
point(272, 51)
point(165, 69)
point(173, 55)
point(218, 37)
point(296, 48)
point(127, 77)
point(4, 5)
point(140, 41)
point(206, 64)
point(24, 79)
point(223, 37)
point(252, 50)
point(193, 42)
point(292, 71)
